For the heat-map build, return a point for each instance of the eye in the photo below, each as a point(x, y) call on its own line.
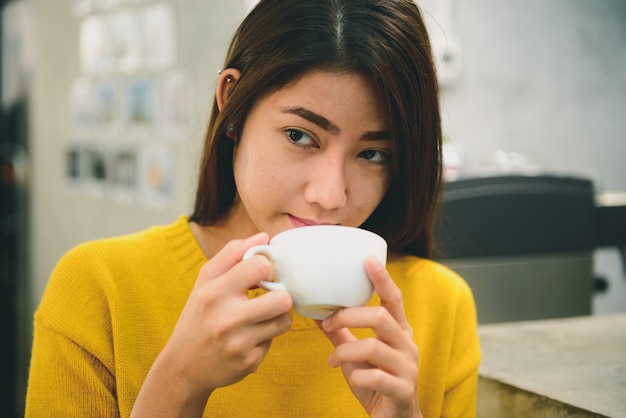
point(375, 156)
point(300, 138)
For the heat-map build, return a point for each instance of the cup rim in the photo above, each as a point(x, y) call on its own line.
point(313, 229)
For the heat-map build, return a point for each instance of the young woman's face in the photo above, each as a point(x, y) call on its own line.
point(316, 152)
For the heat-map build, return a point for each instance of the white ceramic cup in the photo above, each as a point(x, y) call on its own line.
point(322, 267)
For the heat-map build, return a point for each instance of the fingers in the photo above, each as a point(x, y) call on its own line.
point(226, 276)
point(226, 294)
point(382, 383)
point(229, 256)
point(239, 341)
point(385, 365)
point(267, 330)
point(272, 304)
point(221, 335)
point(377, 318)
point(338, 336)
point(388, 321)
point(229, 273)
point(390, 295)
point(377, 354)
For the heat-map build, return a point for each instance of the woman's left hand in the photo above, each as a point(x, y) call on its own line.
point(381, 371)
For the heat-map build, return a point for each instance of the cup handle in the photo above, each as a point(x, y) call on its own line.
point(268, 252)
point(272, 285)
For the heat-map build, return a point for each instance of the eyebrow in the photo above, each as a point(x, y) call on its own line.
point(328, 126)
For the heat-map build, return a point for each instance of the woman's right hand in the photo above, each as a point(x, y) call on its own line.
point(221, 336)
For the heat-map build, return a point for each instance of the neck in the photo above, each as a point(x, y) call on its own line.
point(235, 225)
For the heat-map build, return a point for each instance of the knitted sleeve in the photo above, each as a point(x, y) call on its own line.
point(67, 381)
point(72, 367)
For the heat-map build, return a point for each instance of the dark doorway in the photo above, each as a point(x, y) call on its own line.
point(15, 328)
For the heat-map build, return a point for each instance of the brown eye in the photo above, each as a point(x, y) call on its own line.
point(376, 156)
point(300, 138)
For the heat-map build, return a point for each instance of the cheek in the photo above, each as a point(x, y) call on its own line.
point(258, 174)
point(248, 173)
point(375, 197)
point(368, 195)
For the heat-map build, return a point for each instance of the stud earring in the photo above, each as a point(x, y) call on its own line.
point(231, 127)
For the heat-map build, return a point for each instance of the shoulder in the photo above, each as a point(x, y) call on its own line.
point(92, 272)
point(439, 305)
point(124, 251)
point(432, 290)
point(414, 272)
point(97, 277)
point(119, 246)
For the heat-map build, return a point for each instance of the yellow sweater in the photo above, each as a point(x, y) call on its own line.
point(110, 306)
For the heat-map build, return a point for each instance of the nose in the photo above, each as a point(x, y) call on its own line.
point(327, 185)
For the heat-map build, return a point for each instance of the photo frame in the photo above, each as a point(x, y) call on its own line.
point(96, 169)
point(175, 104)
point(160, 34)
point(155, 176)
point(73, 166)
point(140, 104)
point(123, 177)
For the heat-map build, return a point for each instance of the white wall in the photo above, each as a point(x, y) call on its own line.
point(60, 218)
point(543, 78)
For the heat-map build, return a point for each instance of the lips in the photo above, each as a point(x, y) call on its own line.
point(300, 222)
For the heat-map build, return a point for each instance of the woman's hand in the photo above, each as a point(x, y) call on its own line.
point(221, 336)
point(381, 371)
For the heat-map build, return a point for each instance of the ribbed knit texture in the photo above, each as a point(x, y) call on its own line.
point(111, 305)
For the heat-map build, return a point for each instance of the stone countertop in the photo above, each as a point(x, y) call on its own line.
point(578, 362)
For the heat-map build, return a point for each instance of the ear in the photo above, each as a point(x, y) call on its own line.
point(225, 83)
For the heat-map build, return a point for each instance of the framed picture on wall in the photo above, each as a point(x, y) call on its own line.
point(74, 170)
point(82, 106)
point(140, 104)
point(124, 172)
point(160, 36)
point(175, 99)
point(96, 167)
point(125, 39)
point(105, 106)
point(156, 172)
point(94, 54)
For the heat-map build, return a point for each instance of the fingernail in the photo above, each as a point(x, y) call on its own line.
point(330, 361)
point(255, 237)
point(326, 324)
point(375, 265)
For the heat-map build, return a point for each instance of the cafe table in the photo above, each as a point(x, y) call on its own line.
point(570, 367)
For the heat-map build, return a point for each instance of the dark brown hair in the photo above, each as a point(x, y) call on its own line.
point(385, 40)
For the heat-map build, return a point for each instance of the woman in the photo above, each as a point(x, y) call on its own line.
point(326, 112)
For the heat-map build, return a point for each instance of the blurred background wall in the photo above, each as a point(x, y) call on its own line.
point(540, 87)
point(86, 141)
point(526, 85)
point(544, 79)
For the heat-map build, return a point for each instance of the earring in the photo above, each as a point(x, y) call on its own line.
point(231, 127)
point(229, 79)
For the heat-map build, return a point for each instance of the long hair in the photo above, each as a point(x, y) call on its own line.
point(385, 40)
